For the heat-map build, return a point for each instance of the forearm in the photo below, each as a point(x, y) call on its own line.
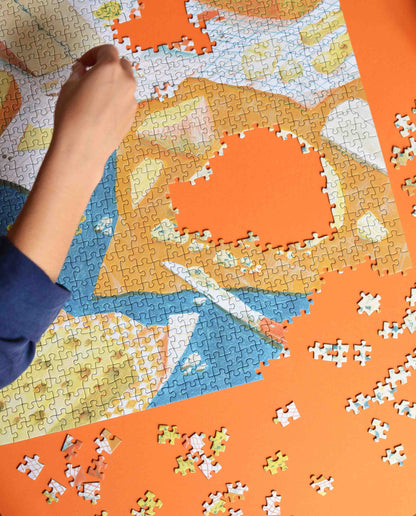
point(45, 227)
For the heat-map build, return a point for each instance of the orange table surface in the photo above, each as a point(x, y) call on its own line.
point(326, 439)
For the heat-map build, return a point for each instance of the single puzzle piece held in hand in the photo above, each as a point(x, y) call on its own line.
point(322, 483)
point(283, 416)
point(57, 490)
point(32, 466)
point(368, 303)
point(235, 491)
point(395, 457)
point(168, 435)
point(272, 507)
point(187, 465)
point(216, 505)
point(89, 491)
point(217, 445)
point(107, 443)
point(273, 465)
point(379, 430)
point(147, 505)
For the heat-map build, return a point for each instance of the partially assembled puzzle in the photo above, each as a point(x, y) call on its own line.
point(252, 166)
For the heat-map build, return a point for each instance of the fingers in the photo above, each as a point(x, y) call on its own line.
point(99, 54)
point(127, 66)
point(78, 71)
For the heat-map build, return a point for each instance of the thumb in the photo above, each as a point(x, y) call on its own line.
point(78, 71)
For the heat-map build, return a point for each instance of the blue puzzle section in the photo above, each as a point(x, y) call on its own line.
point(231, 351)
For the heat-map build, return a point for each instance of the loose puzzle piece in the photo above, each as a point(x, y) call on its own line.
point(272, 507)
point(330, 352)
point(107, 443)
point(395, 377)
point(404, 408)
point(148, 505)
point(57, 490)
point(186, 465)
point(409, 186)
point(412, 298)
point(362, 402)
point(404, 124)
point(218, 439)
point(393, 330)
point(168, 435)
point(98, 468)
point(379, 430)
point(273, 465)
point(32, 466)
point(401, 157)
point(395, 457)
point(409, 321)
point(195, 443)
point(208, 467)
point(71, 447)
point(89, 491)
point(77, 475)
point(216, 505)
point(368, 303)
point(283, 416)
point(383, 391)
point(363, 352)
point(235, 491)
point(322, 483)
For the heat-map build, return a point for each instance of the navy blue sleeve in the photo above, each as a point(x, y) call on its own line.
point(29, 302)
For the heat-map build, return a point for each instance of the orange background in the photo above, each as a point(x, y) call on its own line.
point(326, 439)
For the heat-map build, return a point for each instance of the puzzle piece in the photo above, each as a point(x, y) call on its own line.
point(411, 361)
point(404, 408)
point(404, 123)
point(148, 505)
point(168, 435)
point(235, 491)
point(322, 483)
point(395, 457)
point(77, 475)
point(382, 392)
point(185, 465)
point(273, 465)
point(409, 321)
point(362, 402)
point(218, 439)
point(368, 303)
point(71, 446)
point(401, 157)
point(331, 352)
point(379, 430)
point(409, 186)
point(195, 443)
point(395, 377)
point(393, 330)
point(57, 490)
point(283, 416)
point(107, 443)
point(216, 505)
point(98, 468)
point(272, 506)
point(89, 492)
point(208, 467)
point(32, 466)
point(363, 353)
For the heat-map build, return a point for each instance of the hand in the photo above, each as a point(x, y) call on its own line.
point(95, 108)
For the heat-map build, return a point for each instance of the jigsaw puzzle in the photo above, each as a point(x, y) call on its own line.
point(169, 302)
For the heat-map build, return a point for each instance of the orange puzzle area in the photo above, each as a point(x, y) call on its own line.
point(326, 439)
point(276, 176)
